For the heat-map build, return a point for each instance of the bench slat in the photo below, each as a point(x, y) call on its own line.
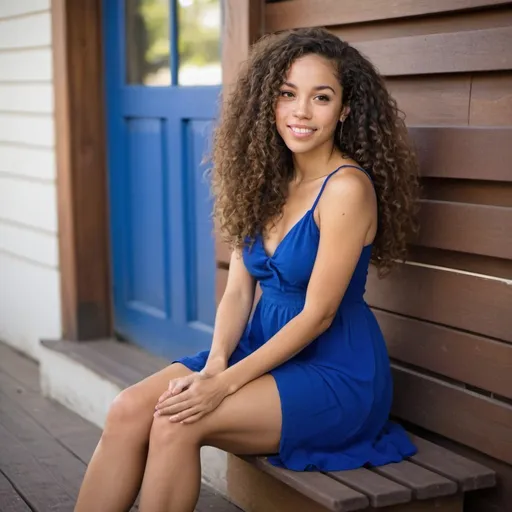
point(317, 486)
point(423, 483)
point(468, 474)
point(380, 490)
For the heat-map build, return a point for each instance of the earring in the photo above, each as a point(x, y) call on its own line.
point(341, 129)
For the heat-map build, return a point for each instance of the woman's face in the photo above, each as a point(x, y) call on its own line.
point(309, 104)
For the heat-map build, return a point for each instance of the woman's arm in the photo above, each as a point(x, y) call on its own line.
point(345, 212)
point(232, 314)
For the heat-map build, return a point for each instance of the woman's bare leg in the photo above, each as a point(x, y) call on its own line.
point(114, 474)
point(248, 422)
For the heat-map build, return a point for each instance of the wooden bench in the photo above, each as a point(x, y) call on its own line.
point(433, 479)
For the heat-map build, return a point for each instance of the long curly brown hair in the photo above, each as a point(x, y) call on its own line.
point(252, 165)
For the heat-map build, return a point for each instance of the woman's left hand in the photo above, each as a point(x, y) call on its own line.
point(201, 398)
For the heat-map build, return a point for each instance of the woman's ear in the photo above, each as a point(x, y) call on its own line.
point(345, 111)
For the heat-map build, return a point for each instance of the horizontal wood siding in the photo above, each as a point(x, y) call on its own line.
point(29, 257)
point(317, 13)
point(446, 313)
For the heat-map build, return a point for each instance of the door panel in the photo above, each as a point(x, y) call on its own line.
point(161, 230)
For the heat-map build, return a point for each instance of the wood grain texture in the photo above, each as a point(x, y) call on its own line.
point(57, 461)
point(38, 481)
point(381, 491)
point(18, 367)
point(243, 25)
point(432, 100)
point(491, 100)
point(484, 265)
point(103, 364)
point(73, 432)
point(246, 482)
point(318, 487)
point(457, 52)
point(473, 303)
point(476, 229)
point(44, 447)
point(474, 360)
point(468, 474)
point(316, 13)
point(451, 411)
point(81, 169)
point(424, 483)
point(424, 26)
point(464, 153)
point(497, 499)
point(10, 500)
point(474, 191)
point(424, 478)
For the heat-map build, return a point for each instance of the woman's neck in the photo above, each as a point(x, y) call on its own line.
point(315, 164)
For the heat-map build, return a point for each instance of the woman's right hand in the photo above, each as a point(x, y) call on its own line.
point(176, 386)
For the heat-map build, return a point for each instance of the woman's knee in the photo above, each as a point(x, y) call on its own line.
point(166, 434)
point(126, 411)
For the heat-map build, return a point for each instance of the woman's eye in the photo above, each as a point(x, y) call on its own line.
point(286, 94)
point(323, 98)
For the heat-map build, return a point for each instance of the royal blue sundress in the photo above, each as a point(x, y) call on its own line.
point(336, 393)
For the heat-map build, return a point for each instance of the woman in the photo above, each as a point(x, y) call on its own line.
point(313, 180)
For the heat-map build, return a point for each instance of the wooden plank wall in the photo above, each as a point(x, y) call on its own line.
point(447, 313)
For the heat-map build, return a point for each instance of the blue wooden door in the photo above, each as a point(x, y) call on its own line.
point(162, 68)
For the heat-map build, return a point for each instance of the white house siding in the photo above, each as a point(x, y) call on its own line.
point(29, 265)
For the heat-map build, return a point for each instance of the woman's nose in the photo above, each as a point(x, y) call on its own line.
point(302, 109)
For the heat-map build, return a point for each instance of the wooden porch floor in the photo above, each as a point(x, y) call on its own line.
point(44, 448)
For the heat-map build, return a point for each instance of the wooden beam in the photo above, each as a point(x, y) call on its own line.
point(470, 228)
point(454, 412)
point(319, 13)
point(478, 304)
point(456, 52)
point(243, 26)
point(464, 152)
point(81, 169)
point(458, 355)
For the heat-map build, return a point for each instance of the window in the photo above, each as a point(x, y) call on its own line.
point(171, 42)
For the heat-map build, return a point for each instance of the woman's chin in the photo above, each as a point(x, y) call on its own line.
point(299, 146)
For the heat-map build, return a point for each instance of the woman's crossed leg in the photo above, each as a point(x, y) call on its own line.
point(161, 458)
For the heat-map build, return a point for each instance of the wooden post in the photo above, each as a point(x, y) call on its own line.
point(81, 169)
point(243, 25)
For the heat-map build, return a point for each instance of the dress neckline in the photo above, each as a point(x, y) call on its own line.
point(284, 237)
point(309, 211)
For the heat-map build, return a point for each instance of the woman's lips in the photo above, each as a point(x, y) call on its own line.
point(300, 132)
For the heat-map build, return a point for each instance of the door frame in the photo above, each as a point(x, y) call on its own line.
point(81, 153)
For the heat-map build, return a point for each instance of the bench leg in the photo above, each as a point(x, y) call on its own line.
point(255, 491)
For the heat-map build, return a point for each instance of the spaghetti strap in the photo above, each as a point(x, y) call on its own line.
point(332, 174)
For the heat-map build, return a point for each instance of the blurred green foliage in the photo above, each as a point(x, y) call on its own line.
point(198, 31)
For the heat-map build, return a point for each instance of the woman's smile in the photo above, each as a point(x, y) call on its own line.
point(301, 132)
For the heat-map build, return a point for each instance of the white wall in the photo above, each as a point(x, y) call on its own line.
point(29, 266)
